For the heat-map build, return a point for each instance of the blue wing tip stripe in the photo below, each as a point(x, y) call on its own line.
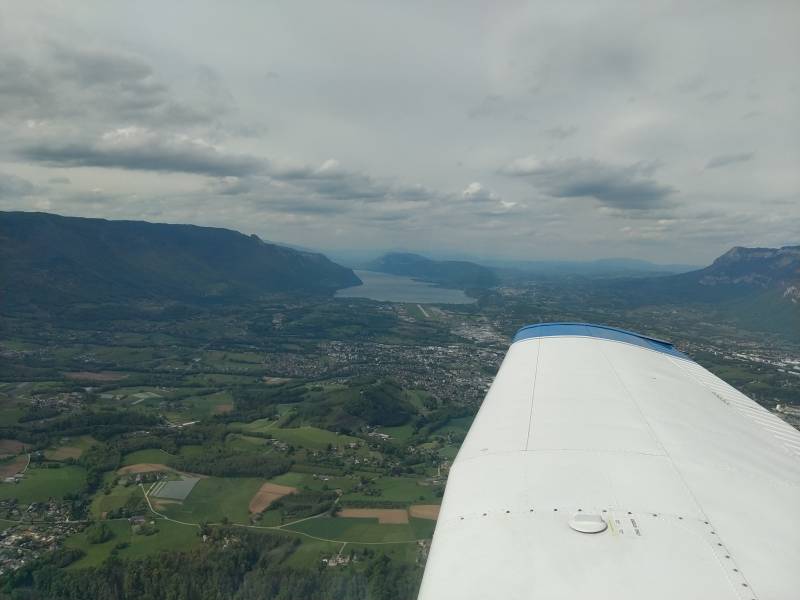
point(597, 331)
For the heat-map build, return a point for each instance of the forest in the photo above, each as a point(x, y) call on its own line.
point(233, 563)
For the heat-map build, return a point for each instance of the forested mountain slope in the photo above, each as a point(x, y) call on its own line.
point(47, 259)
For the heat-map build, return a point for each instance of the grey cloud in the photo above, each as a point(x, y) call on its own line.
point(715, 96)
point(12, 186)
point(59, 180)
point(560, 133)
point(235, 186)
point(101, 86)
point(489, 106)
point(619, 187)
point(691, 85)
point(595, 60)
point(475, 192)
point(723, 160)
point(95, 66)
point(141, 150)
point(631, 80)
point(332, 181)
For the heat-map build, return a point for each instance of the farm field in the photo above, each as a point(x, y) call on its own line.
point(424, 511)
point(150, 455)
point(459, 425)
point(385, 516)
point(39, 484)
point(170, 536)
point(13, 465)
point(72, 448)
point(267, 494)
point(11, 447)
point(307, 480)
point(448, 452)
point(364, 530)
point(95, 377)
point(198, 407)
point(397, 489)
point(246, 443)
point(10, 415)
point(215, 498)
point(117, 498)
point(401, 433)
point(307, 436)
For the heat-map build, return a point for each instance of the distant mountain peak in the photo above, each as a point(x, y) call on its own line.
point(449, 273)
point(759, 267)
point(738, 253)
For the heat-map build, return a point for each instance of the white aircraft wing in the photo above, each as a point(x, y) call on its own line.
point(605, 464)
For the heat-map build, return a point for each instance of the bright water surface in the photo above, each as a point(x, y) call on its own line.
point(393, 288)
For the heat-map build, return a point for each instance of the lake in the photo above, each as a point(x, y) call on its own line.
point(394, 288)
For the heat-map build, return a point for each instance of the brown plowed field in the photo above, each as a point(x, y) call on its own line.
point(267, 494)
point(424, 511)
point(385, 516)
point(10, 447)
point(13, 467)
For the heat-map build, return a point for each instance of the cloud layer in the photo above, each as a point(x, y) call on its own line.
point(532, 130)
point(136, 149)
point(621, 187)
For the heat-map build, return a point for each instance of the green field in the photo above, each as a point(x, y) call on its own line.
point(246, 443)
point(82, 443)
point(41, 484)
point(458, 425)
point(259, 425)
point(405, 490)
point(149, 455)
point(398, 489)
point(400, 434)
point(307, 437)
point(191, 450)
point(448, 452)
point(170, 536)
point(217, 379)
point(9, 415)
point(364, 530)
point(309, 553)
point(200, 404)
point(306, 480)
point(215, 498)
point(117, 498)
point(198, 407)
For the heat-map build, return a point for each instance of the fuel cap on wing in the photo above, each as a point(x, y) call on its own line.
point(587, 523)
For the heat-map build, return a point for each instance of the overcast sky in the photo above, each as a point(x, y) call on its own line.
point(665, 131)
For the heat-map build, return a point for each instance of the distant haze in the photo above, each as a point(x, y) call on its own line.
point(662, 131)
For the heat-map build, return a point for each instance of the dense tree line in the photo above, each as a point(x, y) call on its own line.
point(102, 424)
point(97, 460)
point(304, 504)
point(224, 462)
point(234, 564)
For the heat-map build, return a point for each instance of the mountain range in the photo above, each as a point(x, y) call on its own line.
point(50, 260)
point(46, 259)
point(739, 272)
point(757, 287)
point(448, 273)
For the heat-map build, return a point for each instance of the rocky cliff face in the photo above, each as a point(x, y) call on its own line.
point(756, 267)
